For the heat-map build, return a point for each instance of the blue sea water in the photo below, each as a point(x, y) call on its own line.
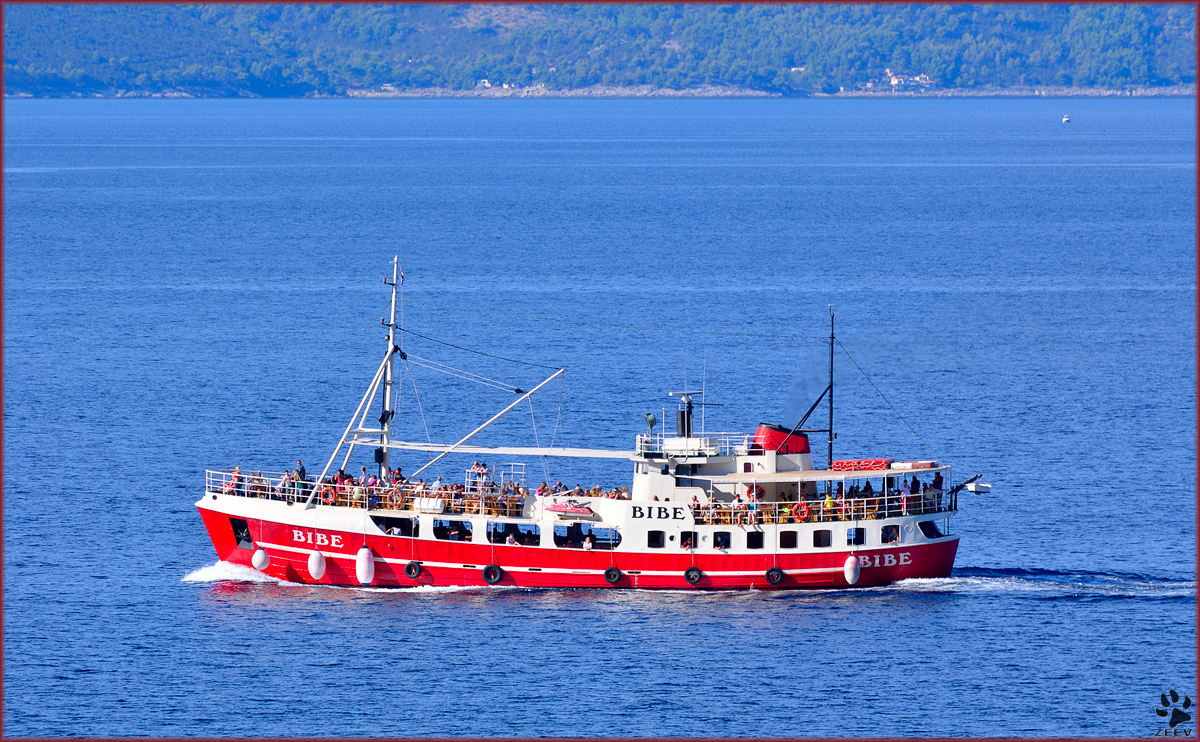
point(193, 284)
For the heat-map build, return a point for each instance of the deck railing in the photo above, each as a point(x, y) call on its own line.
point(267, 485)
point(712, 444)
point(820, 511)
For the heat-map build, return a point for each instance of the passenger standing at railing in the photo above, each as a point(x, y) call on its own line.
point(301, 473)
point(239, 484)
point(937, 481)
point(870, 502)
point(285, 484)
point(738, 509)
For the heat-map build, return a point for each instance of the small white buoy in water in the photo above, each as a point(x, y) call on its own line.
point(851, 569)
point(316, 564)
point(261, 559)
point(364, 566)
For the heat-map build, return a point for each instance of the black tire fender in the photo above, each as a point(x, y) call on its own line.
point(692, 575)
point(412, 570)
point(774, 575)
point(612, 575)
point(492, 574)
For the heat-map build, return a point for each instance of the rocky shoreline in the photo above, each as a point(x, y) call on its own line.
point(650, 91)
point(718, 91)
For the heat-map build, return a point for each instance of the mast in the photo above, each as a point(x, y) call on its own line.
point(383, 453)
point(831, 435)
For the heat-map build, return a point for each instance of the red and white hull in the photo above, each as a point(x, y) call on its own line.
point(289, 534)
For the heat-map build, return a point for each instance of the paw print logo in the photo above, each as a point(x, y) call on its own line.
point(1179, 714)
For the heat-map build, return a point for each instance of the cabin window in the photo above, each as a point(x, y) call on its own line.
point(754, 540)
point(410, 527)
point(747, 467)
point(787, 539)
point(721, 540)
point(889, 534)
point(241, 533)
point(821, 539)
point(688, 540)
point(656, 539)
point(929, 528)
point(452, 530)
point(573, 535)
point(524, 535)
point(856, 536)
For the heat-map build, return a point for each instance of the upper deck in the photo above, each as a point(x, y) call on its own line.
point(819, 496)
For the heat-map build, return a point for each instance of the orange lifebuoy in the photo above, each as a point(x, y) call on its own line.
point(327, 495)
point(754, 489)
point(800, 512)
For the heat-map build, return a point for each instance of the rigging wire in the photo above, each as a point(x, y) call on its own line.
point(761, 336)
point(471, 350)
point(428, 437)
point(536, 442)
point(562, 435)
point(302, 393)
point(885, 399)
point(459, 373)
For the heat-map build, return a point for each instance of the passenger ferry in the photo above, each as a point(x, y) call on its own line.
point(704, 511)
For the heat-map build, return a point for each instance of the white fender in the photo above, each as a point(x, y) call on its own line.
point(261, 559)
point(851, 569)
point(316, 564)
point(364, 566)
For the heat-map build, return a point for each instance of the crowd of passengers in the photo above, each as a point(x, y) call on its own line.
point(394, 490)
point(509, 497)
point(806, 504)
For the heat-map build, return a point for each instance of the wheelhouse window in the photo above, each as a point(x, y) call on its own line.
point(821, 538)
point(410, 527)
point(241, 533)
point(889, 534)
point(754, 540)
point(522, 534)
point(577, 535)
point(722, 540)
point(656, 539)
point(929, 528)
point(452, 530)
point(787, 539)
point(856, 536)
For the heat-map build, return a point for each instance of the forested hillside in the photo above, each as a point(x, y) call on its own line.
point(294, 50)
